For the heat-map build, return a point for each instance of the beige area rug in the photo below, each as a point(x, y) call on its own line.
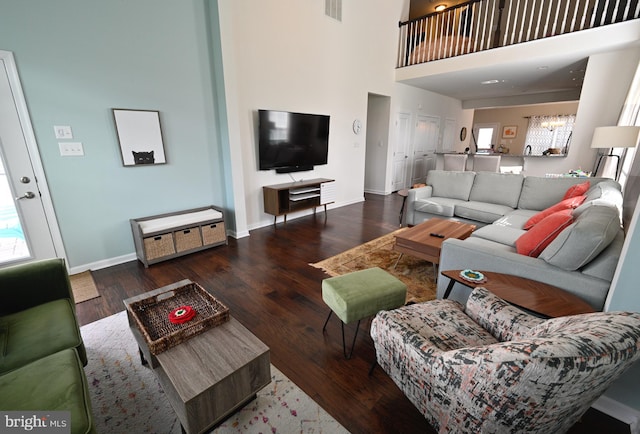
point(83, 286)
point(416, 273)
point(127, 398)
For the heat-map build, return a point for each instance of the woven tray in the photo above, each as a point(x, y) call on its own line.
point(152, 316)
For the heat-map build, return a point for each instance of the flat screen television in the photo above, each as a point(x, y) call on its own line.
point(292, 142)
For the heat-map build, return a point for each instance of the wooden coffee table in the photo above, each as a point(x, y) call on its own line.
point(420, 241)
point(210, 375)
point(536, 297)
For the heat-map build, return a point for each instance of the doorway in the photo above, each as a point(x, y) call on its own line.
point(376, 172)
point(425, 142)
point(28, 228)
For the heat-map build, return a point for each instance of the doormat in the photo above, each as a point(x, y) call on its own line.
point(83, 286)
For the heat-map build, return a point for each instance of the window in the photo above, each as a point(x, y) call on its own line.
point(485, 136)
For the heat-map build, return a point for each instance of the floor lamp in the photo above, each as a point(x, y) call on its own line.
point(614, 137)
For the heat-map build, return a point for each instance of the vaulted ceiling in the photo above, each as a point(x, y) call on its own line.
point(418, 8)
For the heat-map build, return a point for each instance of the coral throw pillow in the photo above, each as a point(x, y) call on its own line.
point(571, 203)
point(577, 190)
point(534, 241)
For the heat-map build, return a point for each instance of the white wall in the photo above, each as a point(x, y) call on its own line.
point(287, 55)
point(409, 99)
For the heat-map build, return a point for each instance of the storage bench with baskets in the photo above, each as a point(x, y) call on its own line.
point(166, 236)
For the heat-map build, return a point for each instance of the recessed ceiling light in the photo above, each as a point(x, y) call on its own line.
point(441, 7)
point(543, 67)
point(490, 82)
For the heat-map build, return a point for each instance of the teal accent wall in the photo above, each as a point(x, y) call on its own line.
point(77, 59)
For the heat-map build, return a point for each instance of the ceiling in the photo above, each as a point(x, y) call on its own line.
point(419, 8)
point(551, 75)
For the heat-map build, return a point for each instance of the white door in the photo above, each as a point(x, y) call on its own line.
point(449, 135)
point(425, 142)
point(401, 151)
point(25, 234)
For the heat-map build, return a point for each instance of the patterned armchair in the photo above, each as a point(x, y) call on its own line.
point(491, 367)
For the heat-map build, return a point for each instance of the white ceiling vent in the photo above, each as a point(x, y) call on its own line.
point(333, 9)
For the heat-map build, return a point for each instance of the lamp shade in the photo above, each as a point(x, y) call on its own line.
point(615, 137)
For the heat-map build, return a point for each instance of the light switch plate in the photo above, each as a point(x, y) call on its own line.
point(71, 149)
point(63, 132)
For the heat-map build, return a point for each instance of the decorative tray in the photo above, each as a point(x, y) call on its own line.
point(151, 316)
point(473, 276)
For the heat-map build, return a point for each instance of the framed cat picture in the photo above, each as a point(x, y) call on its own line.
point(140, 136)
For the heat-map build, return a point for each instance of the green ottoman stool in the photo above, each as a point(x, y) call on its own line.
point(361, 294)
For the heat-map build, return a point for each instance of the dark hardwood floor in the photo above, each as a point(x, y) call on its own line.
point(269, 287)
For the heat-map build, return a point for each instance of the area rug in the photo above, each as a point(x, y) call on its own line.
point(127, 398)
point(83, 286)
point(416, 273)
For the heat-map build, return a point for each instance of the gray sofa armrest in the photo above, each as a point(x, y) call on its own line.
point(416, 194)
point(483, 255)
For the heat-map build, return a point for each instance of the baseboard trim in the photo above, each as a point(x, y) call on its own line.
point(98, 265)
point(619, 411)
point(378, 192)
point(303, 213)
point(103, 263)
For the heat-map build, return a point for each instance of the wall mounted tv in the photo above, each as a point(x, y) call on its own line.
point(292, 142)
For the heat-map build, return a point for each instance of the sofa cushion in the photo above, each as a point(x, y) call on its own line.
point(534, 241)
point(498, 188)
point(481, 211)
point(604, 265)
point(53, 383)
point(591, 233)
point(570, 203)
point(438, 324)
point(539, 192)
point(606, 193)
point(499, 234)
point(454, 185)
point(503, 320)
point(443, 206)
point(34, 333)
point(515, 219)
point(600, 189)
point(577, 190)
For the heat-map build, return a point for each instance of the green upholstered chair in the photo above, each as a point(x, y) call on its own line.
point(361, 294)
point(41, 350)
point(56, 382)
point(37, 313)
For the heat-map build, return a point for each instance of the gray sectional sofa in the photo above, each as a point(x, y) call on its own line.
point(581, 260)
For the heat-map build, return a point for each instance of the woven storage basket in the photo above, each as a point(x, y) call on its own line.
point(159, 246)
point(213, 233)
point(187, 239)
point(151, 316)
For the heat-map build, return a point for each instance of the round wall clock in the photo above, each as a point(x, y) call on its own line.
point(357, 126)
point(463, 133)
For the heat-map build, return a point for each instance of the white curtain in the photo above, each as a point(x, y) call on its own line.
point(545, 132)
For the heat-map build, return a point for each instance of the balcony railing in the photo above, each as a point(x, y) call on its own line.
point(479, 25)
